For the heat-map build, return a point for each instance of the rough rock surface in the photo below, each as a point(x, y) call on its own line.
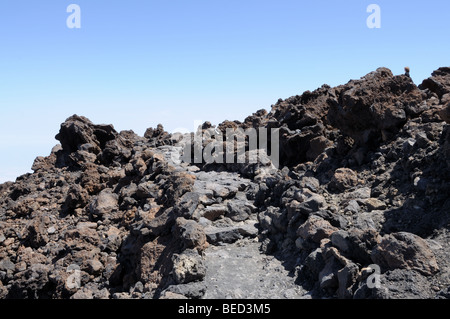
point(360, 197)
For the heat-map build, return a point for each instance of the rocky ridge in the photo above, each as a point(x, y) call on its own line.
point(361, 194)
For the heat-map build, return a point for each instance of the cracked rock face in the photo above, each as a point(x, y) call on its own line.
point(361, 191)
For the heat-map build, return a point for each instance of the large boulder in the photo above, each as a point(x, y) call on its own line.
point(105, 205)
point(79, 133)
point(407, 251)
point(343, 179)
point(439, 82)
point(191, 234)
point(188, 267)
point(315, 229)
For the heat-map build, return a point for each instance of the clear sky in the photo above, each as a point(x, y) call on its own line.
point(138, 63)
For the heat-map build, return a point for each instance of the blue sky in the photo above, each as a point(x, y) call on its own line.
point(139, 63)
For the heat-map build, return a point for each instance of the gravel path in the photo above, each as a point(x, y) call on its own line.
point(235, 266)
point(241, 271)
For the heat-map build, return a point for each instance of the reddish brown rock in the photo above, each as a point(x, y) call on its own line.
point(343, 179)
point(407, 251)
point(78, 130)
point(439, 82)
point(373, 107)
point(316, 229)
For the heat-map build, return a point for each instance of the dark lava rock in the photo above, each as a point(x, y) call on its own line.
point(360, 195)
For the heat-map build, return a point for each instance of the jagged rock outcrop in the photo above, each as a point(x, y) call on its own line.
point(376, 106)
point(439, 82)
point(360, 197)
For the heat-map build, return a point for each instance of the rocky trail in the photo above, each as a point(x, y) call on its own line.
point(241, 271)
point(235, 266)
point(356, 205)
